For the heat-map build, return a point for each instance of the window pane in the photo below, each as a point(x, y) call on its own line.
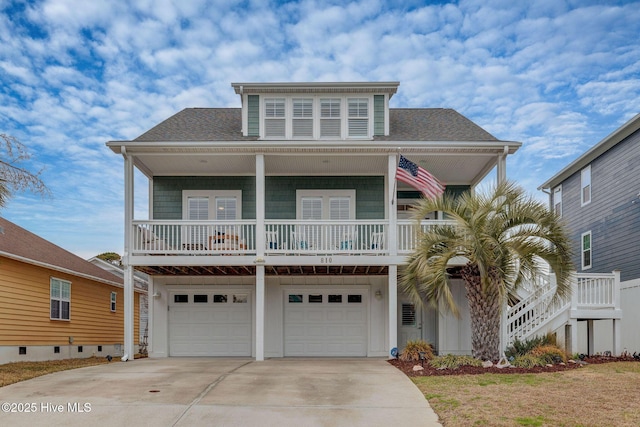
point(240, 299)
point(295, 298)
point(311, 208)
point(359, 107)
point(219, 298)
point(198, 208)
point(302, 128)
point(201, 298)
point(358, 127)
point(408, 315)
point(354, 298)
point(330, 128)
point(274, 107)
point(335, 298)
point(274, 127)
point(303, 107)
point(55, 288)
point(315, 298)
point(65, 310)
point(330, 108)
point(181, 298)
point(226, 208)
point(55, 309)
point(339, 208)
point(65, 290)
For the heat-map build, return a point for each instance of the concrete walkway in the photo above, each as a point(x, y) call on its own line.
point(220, 392)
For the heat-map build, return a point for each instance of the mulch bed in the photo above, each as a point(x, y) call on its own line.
point(407, 367)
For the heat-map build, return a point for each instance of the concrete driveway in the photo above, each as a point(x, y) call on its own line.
point(220, 392)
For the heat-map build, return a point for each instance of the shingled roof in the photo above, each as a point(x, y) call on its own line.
point(405, 124)
point(18, 243)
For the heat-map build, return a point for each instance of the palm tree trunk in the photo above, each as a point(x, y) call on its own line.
point(484, 311)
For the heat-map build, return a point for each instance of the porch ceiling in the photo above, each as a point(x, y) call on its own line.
point(250, 270)
point(450, 168)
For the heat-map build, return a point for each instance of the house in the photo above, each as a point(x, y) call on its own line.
point(141, 285)
point(53, 304)
point(598, 197)
point(278, 228)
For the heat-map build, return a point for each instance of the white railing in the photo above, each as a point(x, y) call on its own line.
point(589, 291)
point(408, 236)
point(292, 237)
point(193, 237)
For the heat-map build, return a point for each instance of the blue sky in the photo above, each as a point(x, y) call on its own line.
point(556, 75)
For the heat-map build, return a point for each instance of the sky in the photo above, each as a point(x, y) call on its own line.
point(556, 75)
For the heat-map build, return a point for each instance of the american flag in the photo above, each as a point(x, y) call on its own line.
point(412, 174)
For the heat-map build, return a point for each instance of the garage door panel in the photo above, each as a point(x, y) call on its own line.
point(336, 328)
point(209, 328)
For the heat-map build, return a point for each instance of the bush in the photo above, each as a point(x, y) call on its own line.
point(527, 361)
point(413, 348)
point(549, 353)
point(451, 361)
point(521, 348)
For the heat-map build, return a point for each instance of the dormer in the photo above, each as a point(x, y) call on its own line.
point(308, 111)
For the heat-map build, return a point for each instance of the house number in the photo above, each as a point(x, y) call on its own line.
point(326, 260)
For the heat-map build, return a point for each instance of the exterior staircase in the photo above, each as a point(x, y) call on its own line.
point(593, 296)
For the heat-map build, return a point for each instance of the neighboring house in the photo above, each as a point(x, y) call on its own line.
point(277, 229)
point(141, 281)
point(598, 197)
point(53, 304)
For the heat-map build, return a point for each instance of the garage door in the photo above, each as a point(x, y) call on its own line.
point(216, 323)
point(325, 323)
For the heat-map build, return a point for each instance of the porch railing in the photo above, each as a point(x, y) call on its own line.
point(282, 237)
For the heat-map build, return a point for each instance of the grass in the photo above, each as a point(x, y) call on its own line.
point(19, 371)
point(605, 394)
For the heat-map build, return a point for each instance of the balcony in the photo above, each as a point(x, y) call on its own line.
point(288, 238)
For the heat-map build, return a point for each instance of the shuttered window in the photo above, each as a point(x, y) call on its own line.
point(274, 123)
point(198, 208)
point(311, 208)
point(60, 299)
point(339, 208)
point(408, 315)
point(358, 121)
point(302, 117)
point(330, 118)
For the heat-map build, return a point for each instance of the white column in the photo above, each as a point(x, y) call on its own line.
point(128, 269)
point(502, 166)
point(259, 312)
point(590, 338)
point(574, 336)
point(260, 248)
point(150, 299)
point(392, 231)
point(393, 308)
point(260, 206)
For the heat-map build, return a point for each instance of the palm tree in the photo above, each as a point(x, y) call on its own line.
point(503, 236)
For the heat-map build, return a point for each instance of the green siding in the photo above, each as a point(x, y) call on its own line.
point(167, 193)
point(253, 115)
point(281, 193)
point(378, 114)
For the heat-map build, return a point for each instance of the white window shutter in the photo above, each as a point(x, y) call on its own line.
point(311, 208)
point(198, 208)
point(226, 208)
point(339, 208)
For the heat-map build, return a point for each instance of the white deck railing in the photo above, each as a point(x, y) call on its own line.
point(282, 237)
point(589, 291)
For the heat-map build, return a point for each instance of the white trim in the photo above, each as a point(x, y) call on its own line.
point(557, 200)
point(113, 301)
point(59, 298)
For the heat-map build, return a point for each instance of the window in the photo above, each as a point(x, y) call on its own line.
point(354, 299)
point(586, 250)
point(226, 208)
point(274, 122)
point(181, 299)
point(557, 201)
point(335, 298)
point(358, 119)
point(60, 299)
point(408, 315)
point(295, 298)
point(240, 299)
point(302, 118)
point(219, 299)
point(201, 298)
point(315, 298)
point(330, 118)
point(114, 295)
point(204, 205)
point(585, 185)
point(326, 204)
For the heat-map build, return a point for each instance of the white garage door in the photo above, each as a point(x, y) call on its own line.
point(325, 323)
point(214, 323)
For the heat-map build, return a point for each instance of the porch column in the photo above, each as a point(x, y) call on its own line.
point(393, 308)
point(260, 206)
point(502, 166)
point(260, 248)
point(574, 336)
point(128, 269)
point(590, 337)
point(617, 342)
point(150, 303)
point(259, 312)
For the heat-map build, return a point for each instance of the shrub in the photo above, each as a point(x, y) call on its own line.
point(451, 361)
point(520, 348)
point(413, 348)
point(549, 353)
point(527, 361)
